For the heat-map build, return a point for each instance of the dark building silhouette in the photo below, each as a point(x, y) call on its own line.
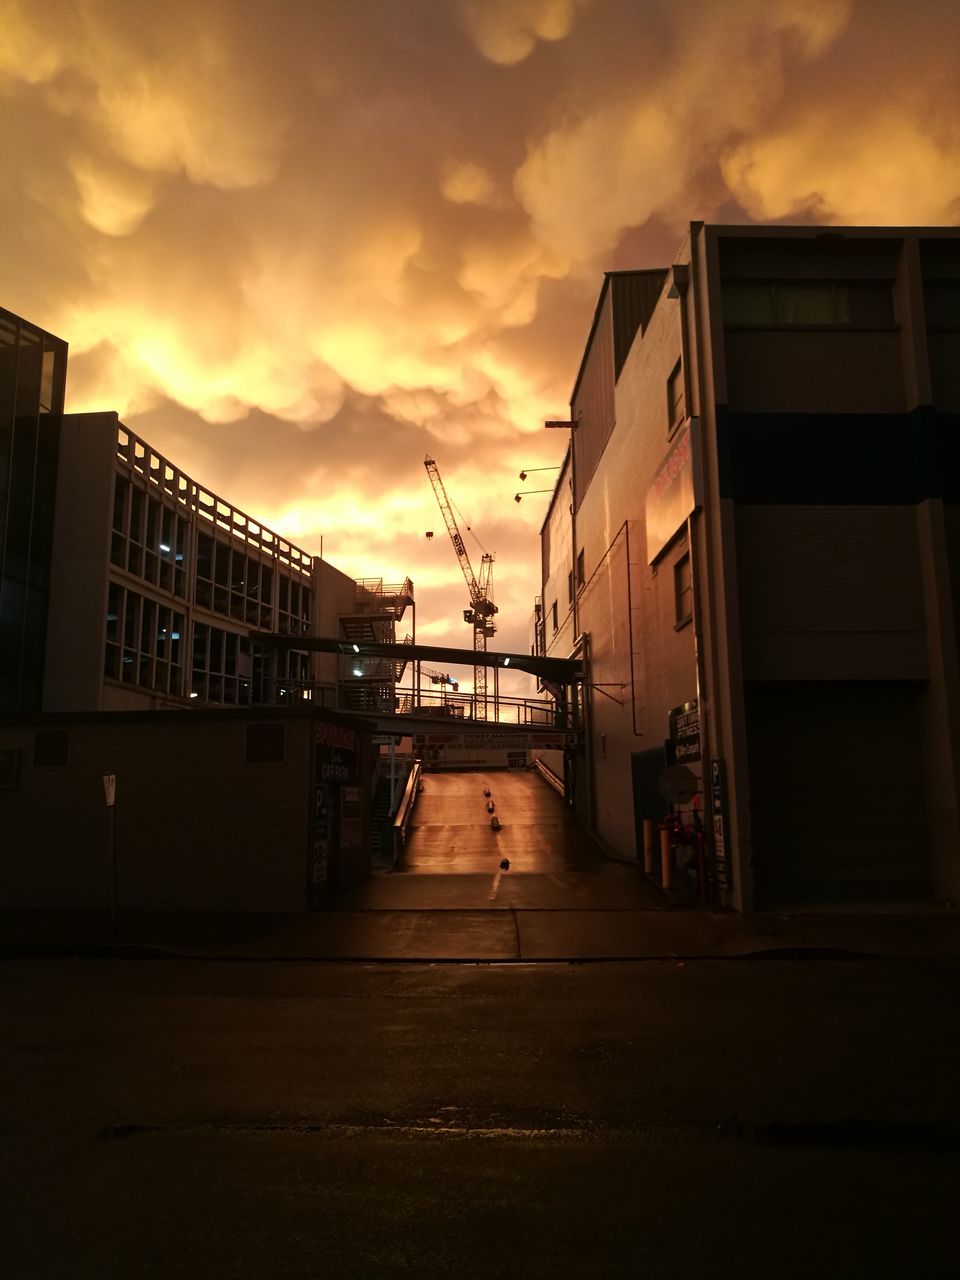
point(755, 543)
point(32, 374)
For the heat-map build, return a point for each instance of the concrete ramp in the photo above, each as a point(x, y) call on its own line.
point(453, 855)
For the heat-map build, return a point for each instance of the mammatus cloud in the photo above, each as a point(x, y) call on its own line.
point(638, 149)
point(888, 169)
point(303, 246)
point(507, 31)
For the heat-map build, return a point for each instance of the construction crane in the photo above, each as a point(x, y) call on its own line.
point(482, 609)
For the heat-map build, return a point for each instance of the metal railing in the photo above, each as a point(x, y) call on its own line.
point(405, 810)
point(366, 697)
point(141, 458)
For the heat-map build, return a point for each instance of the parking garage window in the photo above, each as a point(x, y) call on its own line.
point(144, 642)
point(233, 584)
point(221, 666)
point(148, 538)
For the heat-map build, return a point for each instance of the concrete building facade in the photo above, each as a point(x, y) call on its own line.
point(157, 584)
point(755, 543)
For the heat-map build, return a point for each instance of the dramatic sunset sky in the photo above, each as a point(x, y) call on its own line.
point(298, 245)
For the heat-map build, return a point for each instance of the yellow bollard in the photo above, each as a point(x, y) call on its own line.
point(665, 857)
point(647, 847)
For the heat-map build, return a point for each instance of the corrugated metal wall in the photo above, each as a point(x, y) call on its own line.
point(626, 303)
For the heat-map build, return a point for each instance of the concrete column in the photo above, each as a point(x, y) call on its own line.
point(940, 705)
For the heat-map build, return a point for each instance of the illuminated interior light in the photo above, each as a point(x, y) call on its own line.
point(356, 648)
point(506, 662)
point(164, 547)
point(194, 695)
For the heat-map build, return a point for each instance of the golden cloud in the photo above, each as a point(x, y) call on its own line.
point(886, 169)
point(379, 229)
point(507, 31)
point(112, 200)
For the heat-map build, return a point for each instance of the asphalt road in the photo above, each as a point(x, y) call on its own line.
point(744, 1118)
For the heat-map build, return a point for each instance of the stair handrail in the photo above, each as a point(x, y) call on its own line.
point(405, 809)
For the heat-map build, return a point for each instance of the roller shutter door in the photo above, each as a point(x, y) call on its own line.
point(837, 792)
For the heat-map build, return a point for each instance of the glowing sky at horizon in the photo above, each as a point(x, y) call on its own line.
point(299, 246)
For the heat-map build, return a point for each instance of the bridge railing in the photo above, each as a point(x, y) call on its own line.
point(531, 713)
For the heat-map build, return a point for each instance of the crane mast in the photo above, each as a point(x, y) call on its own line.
point(481, 610)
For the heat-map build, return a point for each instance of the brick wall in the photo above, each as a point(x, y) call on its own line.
point(197, 827)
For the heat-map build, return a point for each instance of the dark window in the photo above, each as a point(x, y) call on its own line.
point(942, 301)
point(683, 590)
point(581, 572)
point(675, 401)
point(553, 617)
point(9, 768)
point(205, 557)
point(835, 304)
point(121, 488)
point(570, 586)
point(265, 743)
point(51, 748)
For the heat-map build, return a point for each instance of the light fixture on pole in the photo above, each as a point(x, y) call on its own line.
point(526, 493)
point(530, 470)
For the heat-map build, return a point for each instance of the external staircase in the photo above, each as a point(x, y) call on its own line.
point(369, 684)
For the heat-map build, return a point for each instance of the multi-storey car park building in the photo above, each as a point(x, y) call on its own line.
point(130, 592)
point(127, 585)
point(755, 542)
point(159, 586)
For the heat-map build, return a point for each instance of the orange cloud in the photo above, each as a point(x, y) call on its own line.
point(885, 169)
point(308, 244)
point(507, 31)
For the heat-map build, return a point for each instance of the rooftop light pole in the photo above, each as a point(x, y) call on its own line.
point(530, 470)
point(526, 493)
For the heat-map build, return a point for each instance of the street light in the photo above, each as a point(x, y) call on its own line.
point(530, 470)
point(526, 493)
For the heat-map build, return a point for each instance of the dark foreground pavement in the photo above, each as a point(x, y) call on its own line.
point(745, 1118)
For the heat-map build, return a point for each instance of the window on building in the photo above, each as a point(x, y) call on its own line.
point(47, 370)
point(121, 504)
point(148, 538)
point(135, 545)
point(221, 666)
point(295, 605)
point(835, 304)
point(143, 642)
point(9, 768)
point(675, 400)
point(554, 618)
point(581, 571)
point(942, 303)
point(683, 590)
point(570, 587)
